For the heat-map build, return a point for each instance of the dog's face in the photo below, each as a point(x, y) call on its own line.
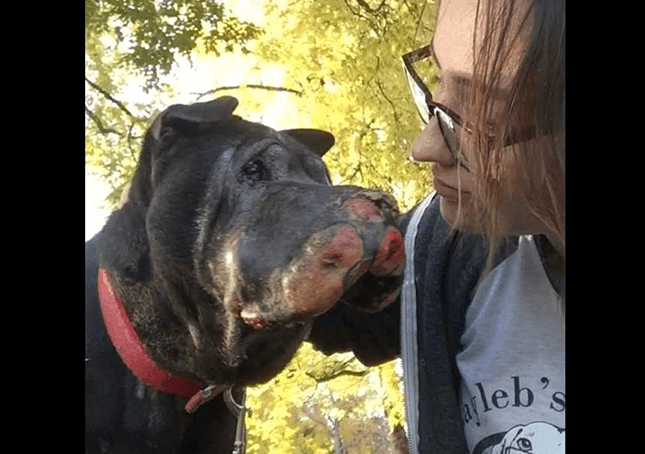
point(246, 239)
point(533, 438)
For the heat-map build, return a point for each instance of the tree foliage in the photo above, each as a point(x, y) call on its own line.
point(154, 32)
point(333, 65)
point(322, 404)
point(134, 43)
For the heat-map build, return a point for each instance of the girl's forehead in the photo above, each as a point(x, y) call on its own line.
point(461, 27)
point(453, 38)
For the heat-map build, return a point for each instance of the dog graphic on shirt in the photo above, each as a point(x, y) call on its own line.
point(532, 438)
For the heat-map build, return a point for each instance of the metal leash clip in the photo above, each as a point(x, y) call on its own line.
point(239, 447)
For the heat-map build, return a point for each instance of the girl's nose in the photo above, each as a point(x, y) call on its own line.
point(431, 146)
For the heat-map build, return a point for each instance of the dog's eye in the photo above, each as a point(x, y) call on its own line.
point(524, 444)
point(254, 171)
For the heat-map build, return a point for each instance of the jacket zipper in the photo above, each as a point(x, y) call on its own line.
point(409, 330)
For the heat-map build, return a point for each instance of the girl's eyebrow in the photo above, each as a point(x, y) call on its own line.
point(463, 81)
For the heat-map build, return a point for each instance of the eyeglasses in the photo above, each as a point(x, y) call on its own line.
point(450, 123)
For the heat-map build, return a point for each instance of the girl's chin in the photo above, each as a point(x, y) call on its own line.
point(449, 209)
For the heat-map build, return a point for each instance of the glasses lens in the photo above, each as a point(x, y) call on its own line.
point(450, 131)
point(418, 96)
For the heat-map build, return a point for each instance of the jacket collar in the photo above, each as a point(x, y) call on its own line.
point(409, 348)
point(132, 351)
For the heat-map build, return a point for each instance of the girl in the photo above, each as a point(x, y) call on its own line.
point(480, 320)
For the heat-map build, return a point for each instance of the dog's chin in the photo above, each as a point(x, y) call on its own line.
point(263, 357)
point(255, 356)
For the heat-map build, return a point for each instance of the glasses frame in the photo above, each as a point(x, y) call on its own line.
point(445, 115)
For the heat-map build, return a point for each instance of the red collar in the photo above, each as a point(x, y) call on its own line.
point(132, 352)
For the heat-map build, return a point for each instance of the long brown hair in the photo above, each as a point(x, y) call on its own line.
point(529, 44)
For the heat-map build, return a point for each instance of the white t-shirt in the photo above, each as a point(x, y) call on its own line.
point(512, 360)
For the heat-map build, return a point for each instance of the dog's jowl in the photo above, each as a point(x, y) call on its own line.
point(208, 277)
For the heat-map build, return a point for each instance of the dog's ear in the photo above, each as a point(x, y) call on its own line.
point(195, 118)
point(316, 140)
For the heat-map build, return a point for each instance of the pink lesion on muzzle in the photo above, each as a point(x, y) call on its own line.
point(318, 283)
point(364, 210)
point(333, 260)
point(390, 259)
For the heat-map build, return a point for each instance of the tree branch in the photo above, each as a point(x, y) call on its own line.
point(254, 86)
point(99, 125)
point(336, 374)
point(109, 97)
point(379, 84)
point(357, 13)
point(130, 137)
point(339, 448)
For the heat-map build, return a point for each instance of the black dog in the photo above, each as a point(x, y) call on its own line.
point(209, 276)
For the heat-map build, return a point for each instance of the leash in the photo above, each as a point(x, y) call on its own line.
point(238, 410)
point(239, 447)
